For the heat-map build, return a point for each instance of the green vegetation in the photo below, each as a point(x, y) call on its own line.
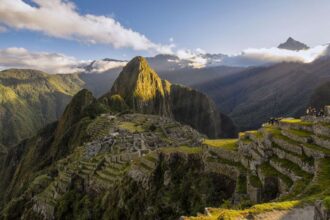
point(227, 144)
point(117, 103)
point(326, 202)
point(241, 184)
point(257, 134)
point(131, 127)
point(30, 99)
point(151, 157)
point(181, 149)
point(317, 148)
point(255, 181)
point(300, 133)
point(269, 171)
point(320, 187)
point(231, 214)
point(292, 167)
point(296, 121)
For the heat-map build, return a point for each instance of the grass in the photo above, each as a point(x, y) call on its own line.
point(300, 133)
point(273, 131)
point(270, 171)
point(317, 148)
point(326, 202)
point(181, 149)
point(304, 158)
point(228, 162)
point(152, 158)
point(296, 121)
point(227, 144)
point(257, 134)
point(319, 188)
point(131, 127)
point(292, 167)
point(246, 141)
point(231, 214)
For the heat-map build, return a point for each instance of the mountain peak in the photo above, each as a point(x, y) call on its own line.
point(139, 63)
point(141, 88)
point(292, 44)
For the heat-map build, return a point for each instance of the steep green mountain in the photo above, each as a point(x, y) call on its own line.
point(144, 92)
point(30, 99)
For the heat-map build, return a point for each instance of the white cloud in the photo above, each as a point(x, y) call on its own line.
point(195, 58)
point(252, 56)
point(60, 18)
point(49, 62)
point(104, 65)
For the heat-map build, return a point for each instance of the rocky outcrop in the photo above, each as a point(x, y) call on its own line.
point(144, 92)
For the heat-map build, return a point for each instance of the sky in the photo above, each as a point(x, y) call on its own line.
point(121, 29)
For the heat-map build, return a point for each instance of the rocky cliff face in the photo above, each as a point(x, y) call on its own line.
point(144, 92)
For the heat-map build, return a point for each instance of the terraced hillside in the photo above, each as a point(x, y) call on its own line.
point(286, 163)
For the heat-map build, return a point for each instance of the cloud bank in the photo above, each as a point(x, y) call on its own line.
point(49, 62)
point(100, 66)
point(59, 18)
point(252, 57)
point(263, 56)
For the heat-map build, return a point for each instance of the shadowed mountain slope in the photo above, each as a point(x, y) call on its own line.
point(256, 94)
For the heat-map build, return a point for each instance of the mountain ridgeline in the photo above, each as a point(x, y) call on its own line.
point(30, 99)
point(143, 91)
